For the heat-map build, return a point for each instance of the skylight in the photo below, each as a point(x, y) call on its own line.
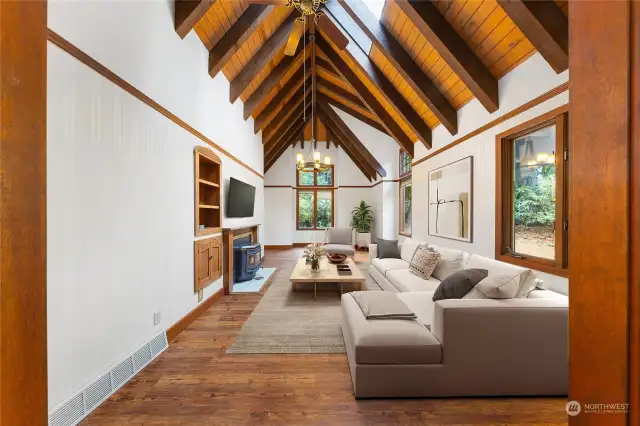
point(375, 6)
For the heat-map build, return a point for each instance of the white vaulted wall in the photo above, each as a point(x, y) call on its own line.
point(531, 79)
point(352, 187)
point(120, 205)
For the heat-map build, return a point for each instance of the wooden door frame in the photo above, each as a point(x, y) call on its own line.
point(23, 214)
point(604, 207)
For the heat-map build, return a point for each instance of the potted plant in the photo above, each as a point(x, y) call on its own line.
point(361, 221)
point(313, 253)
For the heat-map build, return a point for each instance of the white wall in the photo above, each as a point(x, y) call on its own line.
point(280, 209)
point(120, 182)
point(526, 82)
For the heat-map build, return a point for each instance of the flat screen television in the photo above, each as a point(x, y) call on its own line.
point(241, 199)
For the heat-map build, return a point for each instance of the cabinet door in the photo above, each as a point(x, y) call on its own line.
point(215, 261)
point(203, 264)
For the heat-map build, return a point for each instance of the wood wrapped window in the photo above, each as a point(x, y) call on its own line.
point(531, 193)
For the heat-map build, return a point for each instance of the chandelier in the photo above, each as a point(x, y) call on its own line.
point(312, 162)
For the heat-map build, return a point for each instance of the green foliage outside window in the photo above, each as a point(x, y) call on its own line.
point(535, 204)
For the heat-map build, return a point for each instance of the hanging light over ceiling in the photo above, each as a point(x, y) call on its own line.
point(312, 162)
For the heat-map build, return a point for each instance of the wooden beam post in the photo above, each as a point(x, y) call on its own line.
point(187, 13)
point(604, 186)
point(546, 27)
point(23, 213)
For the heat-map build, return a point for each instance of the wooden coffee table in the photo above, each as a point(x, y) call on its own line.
point(328, 273)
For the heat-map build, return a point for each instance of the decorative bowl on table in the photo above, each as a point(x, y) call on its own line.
point(336, 258)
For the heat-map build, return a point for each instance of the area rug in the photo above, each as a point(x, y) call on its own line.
point(294, 322)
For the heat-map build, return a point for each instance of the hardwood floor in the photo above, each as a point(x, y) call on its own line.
point(195, 383)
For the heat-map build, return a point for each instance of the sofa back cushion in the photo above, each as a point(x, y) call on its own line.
point(527, 279)
point(451, 261)
point(408, 249)
point(339, 236)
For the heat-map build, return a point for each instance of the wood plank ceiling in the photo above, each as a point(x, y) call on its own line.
point(403, 74)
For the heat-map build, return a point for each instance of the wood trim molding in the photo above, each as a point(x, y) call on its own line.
point(507, 116)
point(186, 320)
point(74, 51)
point(23, 209)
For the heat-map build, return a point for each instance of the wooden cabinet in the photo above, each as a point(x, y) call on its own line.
point(208, 261)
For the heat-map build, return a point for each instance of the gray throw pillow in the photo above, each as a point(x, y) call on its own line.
point(388, 249)
point(456, 285)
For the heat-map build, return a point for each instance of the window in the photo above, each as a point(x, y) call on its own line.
point(531, 187)
point(405, 163)
point(405, 208)
point(314, 205)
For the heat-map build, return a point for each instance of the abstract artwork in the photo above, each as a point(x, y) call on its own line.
point(451, 199)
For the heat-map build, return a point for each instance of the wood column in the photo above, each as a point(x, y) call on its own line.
point(604, 260)
point(23, 114)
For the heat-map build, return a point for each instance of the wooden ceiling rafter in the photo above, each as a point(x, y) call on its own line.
point(339, 126)
point(545, 25)
point(187, 13)
point(355, 50)
point(273, 79)
point(284, 114)
point(454, 50)
point(355, 114)
point(236, 36)
point(262, 57)
point(393, 128)
point(421, 84)
point(275, 104)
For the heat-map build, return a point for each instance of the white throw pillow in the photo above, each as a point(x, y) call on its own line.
point(528, 279)
point(499, 286)
point(409, 247)
point(451, 262)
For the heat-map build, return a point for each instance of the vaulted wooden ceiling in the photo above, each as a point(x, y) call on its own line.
point(403, 74)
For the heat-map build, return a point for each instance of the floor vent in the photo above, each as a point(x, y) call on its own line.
point(79, 406)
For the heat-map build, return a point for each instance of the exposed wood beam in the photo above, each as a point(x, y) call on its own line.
point(340, 126)
point(284, 113)
point(356, 114)
point(284, 142)
point(454, 50)
point(294, 83)
point(261, 58)
point(187, 13)
point(272, 80)
point(340, 92)
point(546, 27)
point(235, 37)
point(377, 78)
point(393, 128)
point(401, 61)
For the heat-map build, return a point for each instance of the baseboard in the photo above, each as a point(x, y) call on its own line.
point(276, 247)
point(186, 321)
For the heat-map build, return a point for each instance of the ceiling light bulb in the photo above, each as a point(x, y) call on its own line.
point(327, 160)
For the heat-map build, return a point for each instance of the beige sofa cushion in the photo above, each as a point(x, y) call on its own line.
point(495, 267)
point(404, 280)
point(384, 265)
point(388, 341)
point(421, 303)
point(451, 261)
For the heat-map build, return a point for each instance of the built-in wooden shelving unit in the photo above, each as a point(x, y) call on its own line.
point(208, 178)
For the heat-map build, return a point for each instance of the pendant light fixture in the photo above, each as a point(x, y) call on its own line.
point(312, 162)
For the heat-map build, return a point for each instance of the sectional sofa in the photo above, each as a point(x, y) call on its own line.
point(472, 346)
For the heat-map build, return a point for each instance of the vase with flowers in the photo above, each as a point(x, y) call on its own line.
point(313, 253)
